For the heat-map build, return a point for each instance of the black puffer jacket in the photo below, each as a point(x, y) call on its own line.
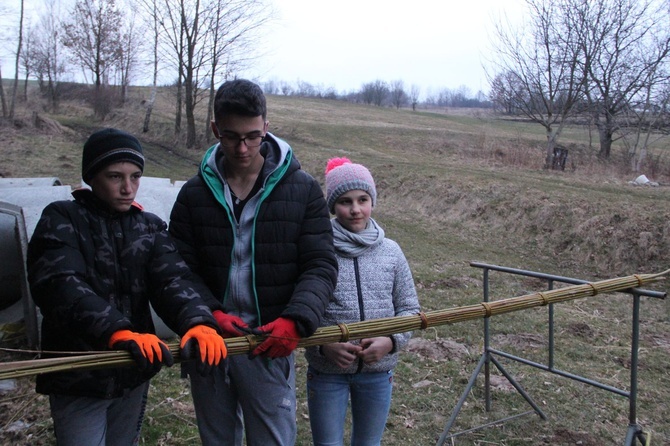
point(290, 239)
point(92, 273)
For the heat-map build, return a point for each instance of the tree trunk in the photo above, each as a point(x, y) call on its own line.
point(16, 66)
point(124, 91)
point(605, 141)
point(210, 112)
point(25, 89)
point(50, 95)
point(549, 158)
point(177, 117)
point(638, 159)
point(2, 97)
point(212, 94)
point(154, 86)
point(552, 137)
point(150, 107)
point(189, 103)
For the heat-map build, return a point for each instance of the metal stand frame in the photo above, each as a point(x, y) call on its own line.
point(635, 431)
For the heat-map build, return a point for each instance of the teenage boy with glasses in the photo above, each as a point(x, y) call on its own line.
point(255, 228)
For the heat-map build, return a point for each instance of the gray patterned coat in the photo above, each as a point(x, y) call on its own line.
point(375, 285)
point(92, 273)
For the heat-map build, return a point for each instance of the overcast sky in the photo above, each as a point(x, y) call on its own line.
point(434, 44)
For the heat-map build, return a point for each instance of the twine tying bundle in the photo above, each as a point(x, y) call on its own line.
point(347, 332)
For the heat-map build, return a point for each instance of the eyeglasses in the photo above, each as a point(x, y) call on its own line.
point(230, 141)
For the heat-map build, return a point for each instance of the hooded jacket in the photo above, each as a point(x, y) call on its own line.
point(376, 283)
point(93, 272)
point(278, 259)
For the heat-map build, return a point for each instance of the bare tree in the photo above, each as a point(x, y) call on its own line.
point(233, 26)
point(173, 47)
point(414, 93)
point(374, 92)
point(648, 121)
point(92, 37)
point(205, 38)
point(444, 98)
point(461, 96)
point(506, 87)
point(271, 86)
point(305, 89)
point(607, 57)
point(286, 88)
point(193, 21)
point(152, 10)
point(545, 58)
point(43, 55)
point(27, 61)
point(129, 48)
point(367, 93)
point(397, 93)
point(626, 45)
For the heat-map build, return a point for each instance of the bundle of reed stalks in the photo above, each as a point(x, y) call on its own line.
point(345, 332)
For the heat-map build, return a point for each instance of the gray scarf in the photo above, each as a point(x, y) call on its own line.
point(353, 244)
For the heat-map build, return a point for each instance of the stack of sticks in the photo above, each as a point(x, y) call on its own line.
point(344, 332)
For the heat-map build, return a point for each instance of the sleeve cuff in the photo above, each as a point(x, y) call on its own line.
point(394, 349)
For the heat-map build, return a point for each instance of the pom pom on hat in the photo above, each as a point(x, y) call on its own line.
point(109, 146)
point(342, 176)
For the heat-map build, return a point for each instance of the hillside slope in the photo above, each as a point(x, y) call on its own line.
point(474, 183)
point(453, 188)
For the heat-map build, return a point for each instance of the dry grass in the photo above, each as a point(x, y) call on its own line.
point(453, 187)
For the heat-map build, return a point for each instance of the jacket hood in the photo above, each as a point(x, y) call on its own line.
point(278, 161)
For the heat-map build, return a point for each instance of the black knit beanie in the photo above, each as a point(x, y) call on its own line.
point(109, 146)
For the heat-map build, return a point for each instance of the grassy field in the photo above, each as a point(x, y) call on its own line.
point(454, 187)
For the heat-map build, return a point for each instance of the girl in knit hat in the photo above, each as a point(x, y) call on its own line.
point(374, 282)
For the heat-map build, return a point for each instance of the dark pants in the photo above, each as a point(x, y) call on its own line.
point(82, 421)
point(263, 391)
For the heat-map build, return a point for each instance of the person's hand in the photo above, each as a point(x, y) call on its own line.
point(343, 354)
point(374, 349)
point(229, 324)
point(206, 344)
point(149, 352)
point(282, 338)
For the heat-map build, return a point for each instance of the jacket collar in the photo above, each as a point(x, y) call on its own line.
point(278, 161)
point(86, 197)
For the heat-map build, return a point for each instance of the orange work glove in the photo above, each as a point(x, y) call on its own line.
point(149, 352)
point(229, 324)
point(282, 338)
point(206, 344)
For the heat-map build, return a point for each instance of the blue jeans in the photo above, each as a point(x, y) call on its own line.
point(328, 397)
point(82, 421)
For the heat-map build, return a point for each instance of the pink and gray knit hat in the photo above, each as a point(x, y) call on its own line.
point(342, 176)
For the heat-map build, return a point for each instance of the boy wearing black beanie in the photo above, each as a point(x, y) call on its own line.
point(94, 265)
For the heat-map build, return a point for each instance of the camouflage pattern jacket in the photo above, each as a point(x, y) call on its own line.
point(93, 272)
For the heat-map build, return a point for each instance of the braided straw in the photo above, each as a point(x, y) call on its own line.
point(353, 331)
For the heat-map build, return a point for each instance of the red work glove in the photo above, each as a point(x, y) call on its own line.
point(149, 352)
point(208, 343)
point(282, 338)
point(229, 324)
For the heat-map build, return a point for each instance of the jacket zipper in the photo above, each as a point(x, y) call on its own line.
point(361, 308)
